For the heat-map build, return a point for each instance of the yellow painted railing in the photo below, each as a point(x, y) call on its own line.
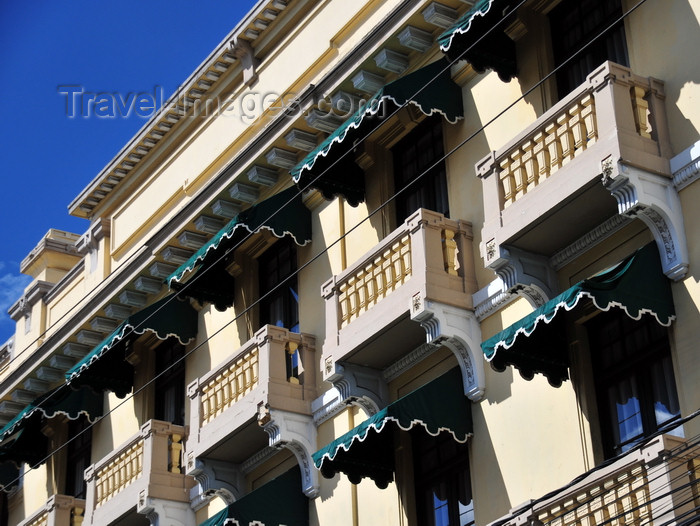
point(119, 473)
point(385, 273)
point(557, 141)
point(230, 385)
point(651, 485)
point(59, 510)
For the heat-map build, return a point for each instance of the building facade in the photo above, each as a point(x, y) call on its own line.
point(380, 262)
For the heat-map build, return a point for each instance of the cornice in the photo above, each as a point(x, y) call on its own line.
point(202, 80)
point(686, 167)
point(57, 241)
point(100, 229)
point(140, 260)
point(37, 290)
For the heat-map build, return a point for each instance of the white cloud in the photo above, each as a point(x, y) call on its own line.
point(11, 288)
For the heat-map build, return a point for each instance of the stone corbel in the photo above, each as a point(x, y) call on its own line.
point(90, 240)
point(162, 512)
point(653, 199)
point(528, 275)
point(245, 53)
point(359, 385)
point(458, 330)
point(215, 478)
point(297, 433)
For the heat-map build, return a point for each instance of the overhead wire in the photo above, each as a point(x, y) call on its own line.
point(327, 247)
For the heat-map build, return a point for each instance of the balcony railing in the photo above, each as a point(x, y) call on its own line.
point(615, 115)
point(653, 485)
point(60, 510)
point(146, 466)
point(275, 369)
point(428, 257)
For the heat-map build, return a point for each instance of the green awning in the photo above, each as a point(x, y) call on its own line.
point(21, 440)
point(283, 214)
point(537, 343)
point(475, 38)
point(368, 449)
point(105, 367)
point(279, 502)
point(430, 89)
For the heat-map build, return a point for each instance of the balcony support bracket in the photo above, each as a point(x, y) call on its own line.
point(215, 478)
point(458, 330)
point(161, 512)
point(528, 275)
point(297, 433)
point(358, 385)
point(653, 199)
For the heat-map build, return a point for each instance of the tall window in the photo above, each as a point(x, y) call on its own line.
point(443, 486)
point(279, 299)
point(170, 383)
point(421, 151)
point(575, 23)
point(78, 456)
point(635, 385)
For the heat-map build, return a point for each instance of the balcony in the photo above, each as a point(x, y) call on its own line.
point(600, 151)
point(261, 396)
point(60, 510)
point(144, 473)
point(418, 280)
point(656, 484)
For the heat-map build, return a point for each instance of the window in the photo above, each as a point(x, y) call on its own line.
point(421, 150)
point(170, 383)
point(634, 379)
point(443, 486)
point(574, 23)
point(78, 456)
point(279, 299)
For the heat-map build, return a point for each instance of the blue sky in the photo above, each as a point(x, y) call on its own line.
point(47, 158)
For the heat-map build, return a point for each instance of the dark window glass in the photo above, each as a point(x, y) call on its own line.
point(170, 383)
point(574, 23)
point(443, 486)
point(279, 300)
point(634, 378)
point(421, 151)
point(78, 456)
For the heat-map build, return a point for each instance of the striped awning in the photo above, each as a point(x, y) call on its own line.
point(430, 89)
point(105, 367)
point(367, 450)
point(536, 343)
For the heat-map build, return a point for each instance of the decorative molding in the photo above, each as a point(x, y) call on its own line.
point(297, 433)
point(407, 361)
point(653, 199)
point(161, 512)
point(214, 478)
point(685, 167)
point(23, 306)
point(360, 386)
point(245, 53)
point(89, 241)
point(458, 330)
point(588, 241)
point(491, 298)
point(257, 459)
point(526, 274)
point(326, 406)
point(58, 241)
